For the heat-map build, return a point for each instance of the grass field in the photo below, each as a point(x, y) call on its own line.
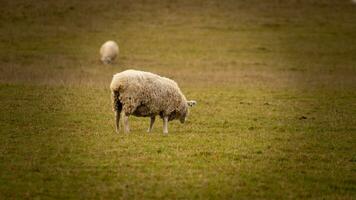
point(275, 83)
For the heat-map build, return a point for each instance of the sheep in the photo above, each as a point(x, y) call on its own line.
point(108, 52)
point(144, 94)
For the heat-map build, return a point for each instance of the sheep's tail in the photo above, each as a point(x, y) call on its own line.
point(116, 104)
point(115, 87)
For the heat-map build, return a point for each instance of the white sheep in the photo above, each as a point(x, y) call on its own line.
point(108, 52)
point(145, 94)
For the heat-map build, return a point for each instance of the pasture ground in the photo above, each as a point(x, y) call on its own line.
point(275, 83)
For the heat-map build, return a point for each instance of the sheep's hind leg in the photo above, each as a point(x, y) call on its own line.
point(165, 125)
point(117, 121)
point(126, 123)
point(153, 118)
point(117, 107)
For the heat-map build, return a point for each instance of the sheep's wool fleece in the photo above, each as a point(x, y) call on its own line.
point(109, 50)
point(146, 94)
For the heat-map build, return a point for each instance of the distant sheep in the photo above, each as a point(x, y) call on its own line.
point(108, 52)
point(145, 94)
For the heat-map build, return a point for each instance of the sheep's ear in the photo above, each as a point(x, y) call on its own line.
point(191, 103)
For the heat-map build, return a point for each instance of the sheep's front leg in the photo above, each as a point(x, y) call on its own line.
point(165, 125)
point(126, 123)
point(117, 121)
point(153, 118)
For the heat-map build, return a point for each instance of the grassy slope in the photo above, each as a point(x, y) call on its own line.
point(255, 68)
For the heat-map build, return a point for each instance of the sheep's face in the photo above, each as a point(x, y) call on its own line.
point(191, 103)
point(106, 60)
point(184, 114)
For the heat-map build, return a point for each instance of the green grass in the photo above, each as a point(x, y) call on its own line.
point(274, 81)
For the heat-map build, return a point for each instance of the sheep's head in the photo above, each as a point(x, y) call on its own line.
point(185, 113)
point(191, 103)
point(106, 60)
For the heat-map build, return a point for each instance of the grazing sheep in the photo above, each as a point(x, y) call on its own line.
point(108, 52)
point(145, 94)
